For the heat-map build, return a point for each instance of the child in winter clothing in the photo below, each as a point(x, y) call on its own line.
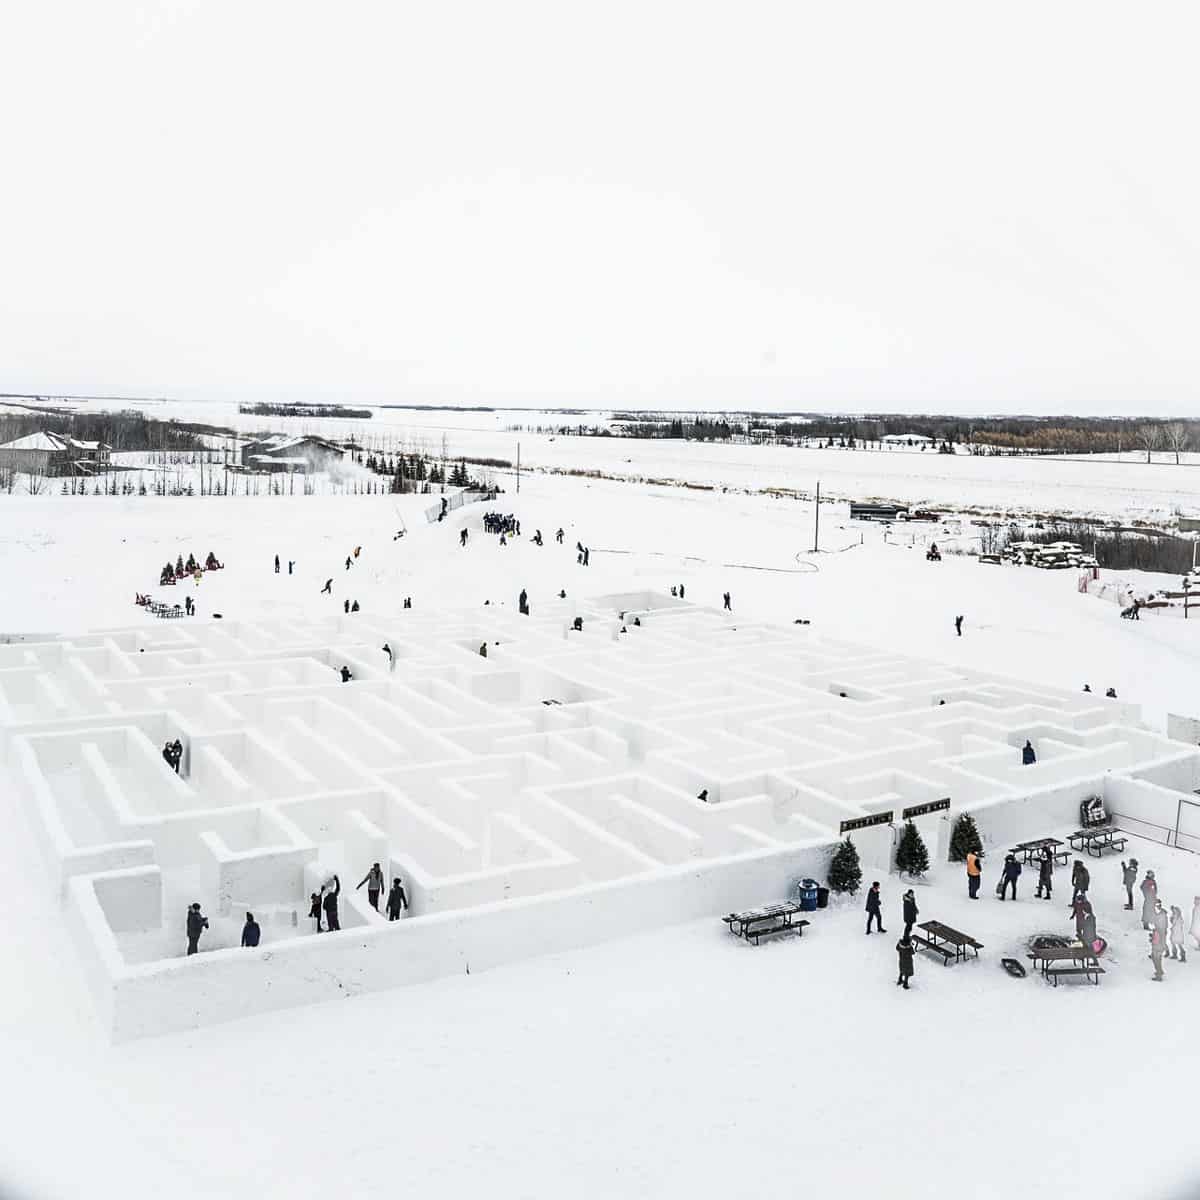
point(1178, 949)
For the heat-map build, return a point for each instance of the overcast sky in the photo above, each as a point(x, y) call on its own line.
point(840, 205)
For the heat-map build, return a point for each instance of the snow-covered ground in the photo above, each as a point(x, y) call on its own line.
point(1124, 486)
point(672, 1063)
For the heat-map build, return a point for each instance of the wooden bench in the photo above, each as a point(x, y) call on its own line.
point(947, 953)
point(756, 923)
point(1055, 972)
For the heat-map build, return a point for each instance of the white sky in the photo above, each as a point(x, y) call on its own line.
point(948, 207)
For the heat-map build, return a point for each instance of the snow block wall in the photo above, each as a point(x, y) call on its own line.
point(544, 797)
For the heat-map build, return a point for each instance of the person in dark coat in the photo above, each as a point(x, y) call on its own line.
point(346, 605)
point(397, 900)
point(277, 564)
point(168, 754)
point(1028, 755)
point(483, 649)
point(328, 587)
point(250, 932)
point(354, 607)
point(374, 880)
point(1087, 928)
point(904, 951)
point(330, 905)
point(346, 674)
point(523, 602)
point(1045, 872)
point(1081, 880)
point(911, 912)
point(702, 795)
point(1149, 892)
point(197, 923)
point(1010, 875)
point(958, 625)
point(314, 911)
point(874, 909)
point(1129, 872)
point(1081, 907)
point(728, 602)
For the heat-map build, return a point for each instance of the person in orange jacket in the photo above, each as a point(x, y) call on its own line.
point(974, 873)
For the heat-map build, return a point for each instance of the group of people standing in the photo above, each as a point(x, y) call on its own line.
point(1167, 928)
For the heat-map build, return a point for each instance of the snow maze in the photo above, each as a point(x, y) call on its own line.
point(539, 798)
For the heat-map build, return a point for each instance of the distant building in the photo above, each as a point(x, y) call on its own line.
point(906, 439)
point(55, 454)
point(1189, 524)
point(282, 452)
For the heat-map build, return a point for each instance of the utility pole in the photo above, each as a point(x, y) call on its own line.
point(817, 520)
point(518, 468)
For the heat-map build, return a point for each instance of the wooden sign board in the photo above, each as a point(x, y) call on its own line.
point(921, 810)
point(883, 818)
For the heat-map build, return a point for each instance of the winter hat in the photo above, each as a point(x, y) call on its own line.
point(1149, 874)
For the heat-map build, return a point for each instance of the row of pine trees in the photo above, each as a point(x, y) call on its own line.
point(912, 857)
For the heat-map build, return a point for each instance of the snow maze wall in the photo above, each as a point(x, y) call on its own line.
point(539, 798)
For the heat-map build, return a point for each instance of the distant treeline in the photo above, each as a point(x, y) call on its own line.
point(120, 430)
point(414, 472)
point(300, 409)
point(948, 434)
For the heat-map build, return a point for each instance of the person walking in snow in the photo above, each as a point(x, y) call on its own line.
point(911, 912)
point(250, 932)
point(587, 556)
point(1161, 921)
point(330, 904)
point(391, 654)
point(1081, 880)
point(346, 605)
point(1045, 872)
point(523, 602)
point(374, 880)
point(728, 602)
point(558, 537)
point(1156, 955)
point(462, 537)
point(328, 588)
point(1028, 755)
point(277, 564)
point(974, 873)
point(904, 952)
point(349, 562)
point(1010, 874)
point(346, 674)
point(1128, 879)
point(397, 900)
point(1149, 890)
point(314, 911)
point(874, 908)
point(168, 753)
point(354, 607)
point(1178, 931)
point(483, 649)
point(958, 625)
point(197, 923)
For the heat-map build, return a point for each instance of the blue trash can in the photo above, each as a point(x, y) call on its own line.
point(806, 895)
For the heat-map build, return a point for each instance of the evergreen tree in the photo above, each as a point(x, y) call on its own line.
point(964, 838)
point(845, 871)
point(911, 856)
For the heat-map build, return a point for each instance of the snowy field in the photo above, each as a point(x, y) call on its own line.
point(662, 1064)
point(1125, 487)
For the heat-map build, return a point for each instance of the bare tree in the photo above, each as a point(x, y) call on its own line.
point(1178, 437)
point(1149, 438)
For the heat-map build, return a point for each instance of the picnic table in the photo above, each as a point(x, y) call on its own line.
point(761, 922)
point(1078, 960)
point(1096, 841)
point(1031, 850)
point(949, 943)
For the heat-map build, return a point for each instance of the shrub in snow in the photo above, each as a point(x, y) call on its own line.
point(964, 838)
point(911, 856)
point(845, 872)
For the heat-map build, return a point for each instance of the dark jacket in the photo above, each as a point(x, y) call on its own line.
point(905, 954)
point(1012, 869)
point(330, 901)
point(396, 900)
point(1046, 868)
point(1129, 876)
point(1080, 878)
point(872, 900)
point(1087, 929)
point(196, 924)
point(251, 933)
point(910, 909)
point(1028, 757)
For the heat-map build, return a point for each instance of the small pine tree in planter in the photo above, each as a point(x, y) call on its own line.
point(911, 856)
point(964, 838)
point(845, 871)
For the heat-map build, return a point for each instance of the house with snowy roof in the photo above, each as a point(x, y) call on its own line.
point(285, 452)
point(45, 453)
